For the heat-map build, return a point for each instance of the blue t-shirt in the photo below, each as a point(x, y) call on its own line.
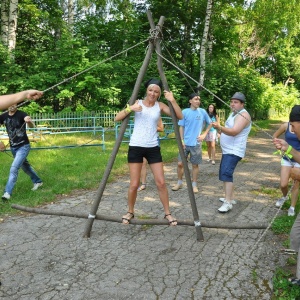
point(193, 122)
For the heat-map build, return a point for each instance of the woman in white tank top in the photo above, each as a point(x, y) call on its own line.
point(144, 143)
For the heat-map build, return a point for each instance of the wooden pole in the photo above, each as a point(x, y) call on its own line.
point(95, 205)
point(220, 224)
point(176, 129)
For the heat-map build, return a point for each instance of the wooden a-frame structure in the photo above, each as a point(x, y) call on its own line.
point(154, 44)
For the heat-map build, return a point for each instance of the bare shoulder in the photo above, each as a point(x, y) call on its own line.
point(244, 116)
point(163, 106)
point(283, 126)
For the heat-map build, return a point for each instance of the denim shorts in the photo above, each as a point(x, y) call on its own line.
point(288, 163)
point(136, 154)
point(195, 153)
point(227, 167)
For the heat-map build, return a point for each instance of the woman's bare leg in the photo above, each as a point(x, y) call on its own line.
point(158, 173)
point(135, 174)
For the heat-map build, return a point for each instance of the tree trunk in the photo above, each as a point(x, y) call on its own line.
point(70, 14)
point(12, 27)
point(204, 42)
point(9, 12)
point(4, 21)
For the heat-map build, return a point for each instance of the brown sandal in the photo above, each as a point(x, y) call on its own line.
point(172, 221)
point(126, 219)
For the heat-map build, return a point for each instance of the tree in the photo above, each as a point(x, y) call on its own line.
point(9, 12)
point(204, 42)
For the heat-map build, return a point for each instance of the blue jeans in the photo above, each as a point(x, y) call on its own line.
point(20, 161)
point(227, 167)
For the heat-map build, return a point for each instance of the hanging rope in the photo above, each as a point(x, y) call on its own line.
point(265, 132)
point(154, 35)
point(179, 71)
point(269, 225)
point(86, 70)
point(214, 95)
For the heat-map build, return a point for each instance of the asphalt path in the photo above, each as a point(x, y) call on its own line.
point(46, 256)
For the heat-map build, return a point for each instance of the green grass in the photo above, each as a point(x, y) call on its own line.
point(68, 169)
point(282, 289)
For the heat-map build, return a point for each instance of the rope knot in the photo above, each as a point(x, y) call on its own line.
point(155, 33)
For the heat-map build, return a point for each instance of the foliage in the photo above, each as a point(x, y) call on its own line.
point(253, 47)
point(34, 107)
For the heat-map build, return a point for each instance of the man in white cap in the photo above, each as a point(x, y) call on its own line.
point(233, 142)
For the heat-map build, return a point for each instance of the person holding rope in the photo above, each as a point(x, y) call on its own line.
point(233, 140)
point(190, 129)
point(8, 100)
point(144, 143)
point(286, 165)
point(15, 122)
point(293, 153)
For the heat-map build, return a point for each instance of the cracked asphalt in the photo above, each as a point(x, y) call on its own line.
point(46, 257)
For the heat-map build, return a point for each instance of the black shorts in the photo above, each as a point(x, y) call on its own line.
point(136, 154)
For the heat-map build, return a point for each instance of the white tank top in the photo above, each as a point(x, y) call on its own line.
point(235, 144)
point(145, 126)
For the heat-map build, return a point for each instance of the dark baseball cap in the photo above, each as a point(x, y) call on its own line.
point(295, 114)
point(191, 96)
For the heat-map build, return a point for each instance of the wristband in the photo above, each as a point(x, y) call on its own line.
point(127, 109)
point(220, 130)
point(182, 141)
point(287, 152)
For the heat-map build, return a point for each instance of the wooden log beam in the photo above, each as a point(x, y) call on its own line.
point(175, 126)
point(219, 225)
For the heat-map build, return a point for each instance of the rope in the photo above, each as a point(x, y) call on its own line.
point(88, 69)
point(180, 71)
point(214, 95)
point(270, 223)
point(265, 132)
point(154, 34)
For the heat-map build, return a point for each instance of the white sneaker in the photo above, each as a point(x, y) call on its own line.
point(176, 187)
point(232, 201)
point(195, 189)
point(6, 196)
point(281, 201)
point(225, 207)
point(36, 186)
point(291, 212)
